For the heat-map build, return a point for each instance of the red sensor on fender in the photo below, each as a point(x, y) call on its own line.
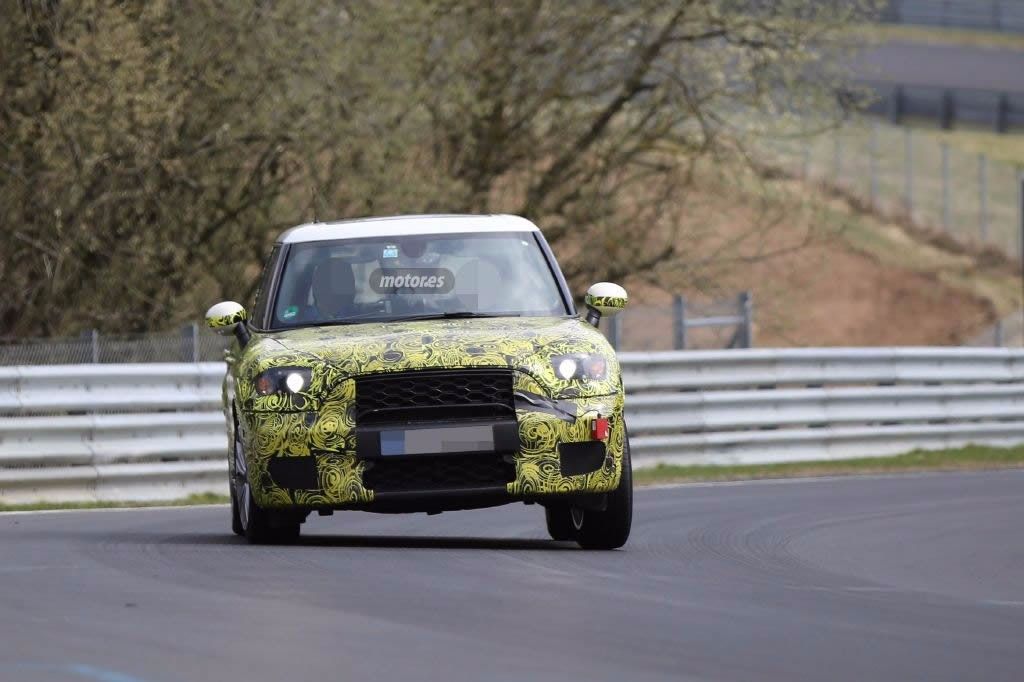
point(599, 428)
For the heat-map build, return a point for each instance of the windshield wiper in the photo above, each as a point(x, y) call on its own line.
point(455, 315)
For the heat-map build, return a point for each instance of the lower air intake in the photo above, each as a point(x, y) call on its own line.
point(435, 473)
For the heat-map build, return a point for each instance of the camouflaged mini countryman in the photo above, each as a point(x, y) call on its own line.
point(423, 364)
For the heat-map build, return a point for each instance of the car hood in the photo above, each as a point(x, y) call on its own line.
point(526, 344)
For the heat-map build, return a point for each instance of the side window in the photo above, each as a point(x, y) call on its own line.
point(259, 309)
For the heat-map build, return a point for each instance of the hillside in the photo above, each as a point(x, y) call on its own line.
point(823, 271)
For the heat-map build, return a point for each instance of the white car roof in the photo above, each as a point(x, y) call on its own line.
point(405, 225)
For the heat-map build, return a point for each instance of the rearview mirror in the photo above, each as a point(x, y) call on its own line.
point(228, 317)
point(604, 298)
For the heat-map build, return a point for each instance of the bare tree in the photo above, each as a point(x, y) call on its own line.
point(148, 152)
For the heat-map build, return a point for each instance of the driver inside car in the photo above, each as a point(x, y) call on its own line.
point(333, 289)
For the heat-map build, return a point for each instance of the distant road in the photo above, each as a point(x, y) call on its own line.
point(918, 577)
point(951, 66)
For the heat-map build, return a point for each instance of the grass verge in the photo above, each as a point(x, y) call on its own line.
point(201, 498)
point(973, 457)
point(938, 35)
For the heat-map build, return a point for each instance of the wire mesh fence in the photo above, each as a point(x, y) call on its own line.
point(998, 15)
point(906, 173)
point(192, 343)
point(681, 324)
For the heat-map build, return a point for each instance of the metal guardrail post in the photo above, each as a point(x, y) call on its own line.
point(679, 322)
point(95, 338)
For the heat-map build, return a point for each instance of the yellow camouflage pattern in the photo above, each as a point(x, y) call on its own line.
point(221, 321)
point(320, 420)
point(605, 303)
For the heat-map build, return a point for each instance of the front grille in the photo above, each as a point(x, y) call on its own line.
point(434, 394)
point(447, 472)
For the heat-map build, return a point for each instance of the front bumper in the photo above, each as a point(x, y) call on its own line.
point(311, 459)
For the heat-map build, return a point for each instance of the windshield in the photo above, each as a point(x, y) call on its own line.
point(416, 276)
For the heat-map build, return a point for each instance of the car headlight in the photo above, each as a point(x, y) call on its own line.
point(287, 380)
point(580, 366)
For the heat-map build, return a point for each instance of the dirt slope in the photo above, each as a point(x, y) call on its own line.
point(839, 276)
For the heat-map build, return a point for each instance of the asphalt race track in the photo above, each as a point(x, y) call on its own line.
point(898, 578)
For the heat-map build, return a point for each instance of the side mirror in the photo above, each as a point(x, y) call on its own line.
point(228, 317)
point(604, 298)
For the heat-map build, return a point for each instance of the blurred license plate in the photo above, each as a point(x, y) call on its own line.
point(437, 440)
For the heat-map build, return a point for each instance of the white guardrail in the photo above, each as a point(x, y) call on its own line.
point(155, 431)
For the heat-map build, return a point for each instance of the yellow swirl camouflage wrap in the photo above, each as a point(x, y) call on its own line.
point(221, 321)
point(605, 303)
point(537, 464)
point(319, 421)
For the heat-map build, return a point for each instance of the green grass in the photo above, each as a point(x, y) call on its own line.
point(201, 498)
point(969, 458)
point(975, 139)
point(854, 143)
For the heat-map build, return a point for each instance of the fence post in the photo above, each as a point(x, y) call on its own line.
point(747, 306)
point(946, 114)
point(908, 171)
point(95, 337)
point(947, 212)
point(679, 322)
point(1020, 232)
point(1002, 113)
point(614, 330)
point(873, 164)
point(896, 105)
point(190, 342)
point(893, 9)
point(983, 197)
point(837, 157)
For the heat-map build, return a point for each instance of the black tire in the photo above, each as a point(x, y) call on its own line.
point(236, 522)
point(608, 529)
point(559, 523)
point(257, 525)
point(270, 528)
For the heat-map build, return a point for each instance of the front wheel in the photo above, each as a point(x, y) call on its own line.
point(608, 529)
point(257, 525)
point(559, 524)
